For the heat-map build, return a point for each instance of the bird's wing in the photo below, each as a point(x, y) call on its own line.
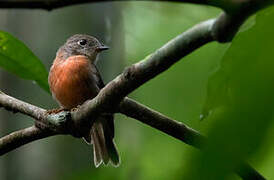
point(101, 85)
point(100, 82)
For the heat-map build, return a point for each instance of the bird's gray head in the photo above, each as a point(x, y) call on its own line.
point(81, 44)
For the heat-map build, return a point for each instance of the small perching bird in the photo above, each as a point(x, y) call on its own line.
point(73, 79)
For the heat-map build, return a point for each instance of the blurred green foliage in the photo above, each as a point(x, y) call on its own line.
point(230, 85)
point(17, 58)
point(240, 101)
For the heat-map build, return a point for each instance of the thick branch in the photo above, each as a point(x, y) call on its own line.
point(136, 75)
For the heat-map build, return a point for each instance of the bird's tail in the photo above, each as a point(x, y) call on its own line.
point(101, 136)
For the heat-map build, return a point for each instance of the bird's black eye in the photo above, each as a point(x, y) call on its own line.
point(82, 42)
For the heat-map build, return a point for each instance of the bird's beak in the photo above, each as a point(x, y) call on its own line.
point(102, 48)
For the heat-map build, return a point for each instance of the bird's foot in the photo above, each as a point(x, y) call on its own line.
point(52, 119)
point(57, 119)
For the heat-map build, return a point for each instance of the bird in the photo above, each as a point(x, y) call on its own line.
point(73, 79)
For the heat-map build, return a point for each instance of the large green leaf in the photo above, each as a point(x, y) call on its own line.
point(240, 101)
point(18, 59)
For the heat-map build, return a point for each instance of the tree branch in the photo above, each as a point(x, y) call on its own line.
point(128, 107)
point(159, 121)
point(137, 111)
point(137, 74)
point(21, 137)
point(15, 105)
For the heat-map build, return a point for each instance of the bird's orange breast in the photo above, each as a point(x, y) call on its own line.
point(71, 81)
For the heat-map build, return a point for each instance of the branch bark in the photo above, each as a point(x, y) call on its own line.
point(21, 137)
point(15, 105)
point(161, 122)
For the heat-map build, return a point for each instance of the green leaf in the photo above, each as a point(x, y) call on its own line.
point(18, 59)
point(240, 101)
point(250, 56)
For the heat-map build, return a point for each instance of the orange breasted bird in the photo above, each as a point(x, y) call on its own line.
point(74, 79)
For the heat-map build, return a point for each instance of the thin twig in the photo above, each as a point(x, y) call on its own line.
point(161, 122)
point(22, 137)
